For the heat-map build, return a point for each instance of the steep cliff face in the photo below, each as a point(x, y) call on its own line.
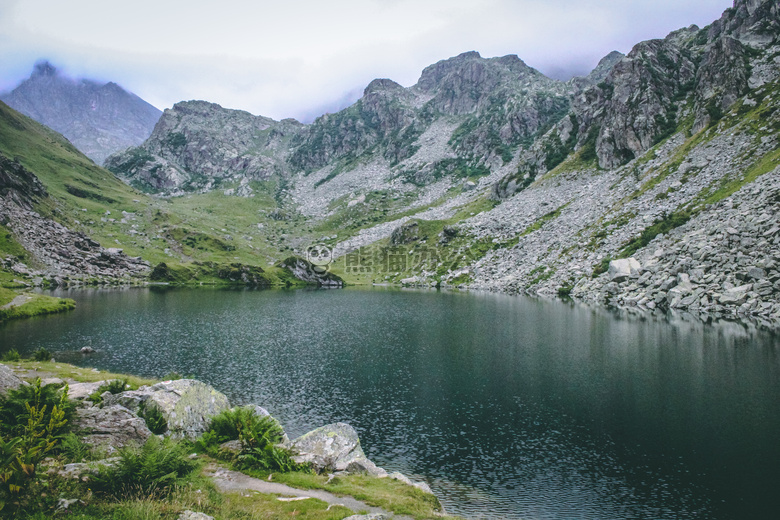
point(19, 185)
point(646, 95)
point(201, 146)
point(384, 121)
point(99, 119)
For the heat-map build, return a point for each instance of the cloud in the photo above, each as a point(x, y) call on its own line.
point(293, 59)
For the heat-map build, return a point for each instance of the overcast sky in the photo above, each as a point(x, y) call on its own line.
point(301, 58)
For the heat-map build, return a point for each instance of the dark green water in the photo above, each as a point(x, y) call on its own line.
point(508, 407)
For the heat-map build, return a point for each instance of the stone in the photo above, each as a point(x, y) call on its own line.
point(736, 294)
point(756, 273)
point(8, 380)
point(77, 469)
point(333, 448)
point(112, 427)
point(87, 350)
point(192, 515)
point(81, 391)
point(621, 270)
point(188, 405)
point(372, 516)
point(63, 504)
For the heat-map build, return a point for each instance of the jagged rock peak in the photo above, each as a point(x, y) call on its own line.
point(469, 66)
point(382, 85)
point(43, 68)
point(605, 65)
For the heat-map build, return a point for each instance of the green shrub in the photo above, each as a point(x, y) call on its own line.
point(35, 433)
point(259, 436)
point(157, 467)
point(12, 355)
point(115, 386)
point(42, 355)
point(15, 406)
point(74, 449)
point(155, 420)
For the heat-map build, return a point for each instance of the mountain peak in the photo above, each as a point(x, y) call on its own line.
point(44, 69)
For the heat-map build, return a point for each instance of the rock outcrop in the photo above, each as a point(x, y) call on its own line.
point(110, 427)
point(201, 146)
point(8, 380)
point(186, 404)
point(335, 447)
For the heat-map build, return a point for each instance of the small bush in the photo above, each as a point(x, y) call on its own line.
point(155, 420)
point(15, 406)
point(12, 355)
point(74, 449)
point(34, 434)
point(154, 468)
point(42, 355)
point(259, 436)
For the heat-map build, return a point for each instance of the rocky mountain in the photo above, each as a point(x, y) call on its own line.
point(99, 119)
point(650, 183)
point(201, 146)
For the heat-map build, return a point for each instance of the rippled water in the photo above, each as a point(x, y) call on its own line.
point(509, 407)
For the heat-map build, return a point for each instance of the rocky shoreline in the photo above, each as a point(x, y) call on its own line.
point(118, 421)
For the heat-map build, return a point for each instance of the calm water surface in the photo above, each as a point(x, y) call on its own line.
point(509, 407)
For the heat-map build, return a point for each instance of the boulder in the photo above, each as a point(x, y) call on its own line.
point(187, 404)
point(335, 447)
point(81, 391)
point(8, 380)
point(112, 426)
point(372, 516)
point(735, 295)
point(192, 515)
point(621, 270)
point(78, 469)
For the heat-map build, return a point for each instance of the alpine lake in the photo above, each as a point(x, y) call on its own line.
point(509, 407)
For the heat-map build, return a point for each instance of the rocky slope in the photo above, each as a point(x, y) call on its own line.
point(201, 146)
point(99, 119)
point(59, 255)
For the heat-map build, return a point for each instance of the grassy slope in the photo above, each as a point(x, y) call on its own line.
point(85, 197)
point(36, 305)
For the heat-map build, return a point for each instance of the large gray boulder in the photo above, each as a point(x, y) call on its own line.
point(335, 447)
point(112, 427)
point(623, 269)
point(8, 380)
point(187, 404)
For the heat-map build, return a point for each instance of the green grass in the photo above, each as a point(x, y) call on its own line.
point(37, 305)
point(391, 495)
point(541, 221)
point(9, 246)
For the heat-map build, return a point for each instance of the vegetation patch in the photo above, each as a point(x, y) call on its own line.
point(34, 305)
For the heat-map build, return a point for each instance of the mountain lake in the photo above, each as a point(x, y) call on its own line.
point(509, 407)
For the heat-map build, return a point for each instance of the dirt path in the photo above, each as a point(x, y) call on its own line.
point(18, 301)
point(227, 480)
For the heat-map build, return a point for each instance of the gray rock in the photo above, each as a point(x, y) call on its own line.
point(192, 515)
point(756, 273)
point(113, 427)
point(333, 448)
point(78, 469)
point(623, 269)
point(81, 391)
point(188, 405)
point(8, 380)
point(372, 516)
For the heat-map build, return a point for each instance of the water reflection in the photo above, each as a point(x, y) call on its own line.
point(509, 407)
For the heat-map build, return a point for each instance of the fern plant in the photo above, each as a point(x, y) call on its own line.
point(157, 467)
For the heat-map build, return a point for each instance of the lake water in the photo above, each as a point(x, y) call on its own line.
point(508, 407)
